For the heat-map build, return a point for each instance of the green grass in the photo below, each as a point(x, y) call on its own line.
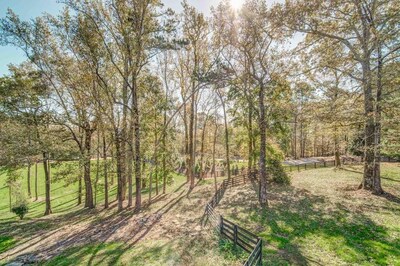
point(230, 251)
point(323, 219)
point(160, 252)
point(64, 195)
point(115, 253)
point(64, 199)
point(6, 242)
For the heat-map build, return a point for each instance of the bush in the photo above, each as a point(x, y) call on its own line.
point(20, 210)
point(277, 172)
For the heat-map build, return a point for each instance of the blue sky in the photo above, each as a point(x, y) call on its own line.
point(28, 9)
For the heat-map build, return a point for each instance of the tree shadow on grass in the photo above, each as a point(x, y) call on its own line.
point(109, 254)
point(295, 215)
point(127, 227)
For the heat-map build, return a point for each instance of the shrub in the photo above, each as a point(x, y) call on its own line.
point(20, 210)
point(277, 172)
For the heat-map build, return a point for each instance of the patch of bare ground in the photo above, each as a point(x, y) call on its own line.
point(170, 217)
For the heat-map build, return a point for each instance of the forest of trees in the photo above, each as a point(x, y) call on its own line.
point(132, 91)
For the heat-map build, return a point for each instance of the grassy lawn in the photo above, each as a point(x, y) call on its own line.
point(64, 195)
point(6, 242)
point(168, 232)
point(162, 252)
point(322, 219)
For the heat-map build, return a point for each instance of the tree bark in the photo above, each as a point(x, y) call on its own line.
point(164, 150)
point(295, 138)
point(129, 161)
point(213, 155)
point(191, 140)
point(368, 182)
point(112, 165)
point(120, 157)
point(155, 152)
point(378, 110)
point(203, 133)
point(135, 108)
point(36, 182)
point(337, 151)
point(80, 188)
point(105, 173)
point(29, 179)
point(263, 146)
point(226, 136)
point(187, 155)
point(86, 168)
point(47, 184)
point(250, 139)
point(97, 167)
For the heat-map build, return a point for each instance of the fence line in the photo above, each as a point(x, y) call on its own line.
point(239, 235)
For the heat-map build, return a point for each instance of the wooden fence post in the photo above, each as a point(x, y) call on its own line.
point(235, 234)
point(221, 224)
point(260, 252)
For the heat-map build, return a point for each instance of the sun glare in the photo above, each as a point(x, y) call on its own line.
point(237, 4)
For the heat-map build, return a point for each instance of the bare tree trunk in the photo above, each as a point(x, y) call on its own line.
point(129, 161)
point(143, 169)
point(263, 145)
point(47, 184)
point(315, 142)
point(9, 197)
point(368, 181)
point(125, 141)
point(119, 150)
point(203, 133)
point(136, 124)
point(295, 138)
point(97, 167)
point(164, 163)
point(187, 155)
point(195, 139)
point(378, 110)
point(337, 151)
point(301, 138)
point(105, 172)
point(86, 166)
point(150, 185)
point(29, 179)
point(112, 164)
point(191, 141)
point(250, 139)
point(130, 144)
point(226, 136)
point(36, 182)
point(80, 187)
point(155, 153)
point(213, 155)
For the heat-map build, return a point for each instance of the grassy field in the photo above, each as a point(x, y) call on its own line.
point(64, 195)
point(320, 219)
point(323, 219)
point(168, 232)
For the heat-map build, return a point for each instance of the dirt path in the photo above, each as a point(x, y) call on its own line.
point(171, 216)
